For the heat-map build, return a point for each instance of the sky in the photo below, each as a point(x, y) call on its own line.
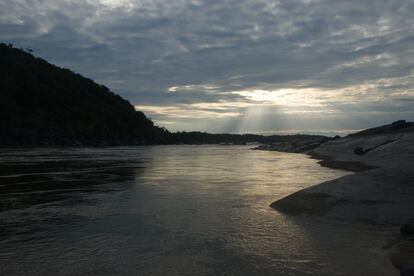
point(237, 66)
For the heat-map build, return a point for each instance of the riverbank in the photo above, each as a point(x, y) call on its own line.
point(381, 191)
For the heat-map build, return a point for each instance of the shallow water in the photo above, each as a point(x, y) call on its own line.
point(171, 210)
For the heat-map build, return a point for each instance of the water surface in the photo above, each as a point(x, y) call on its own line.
point(171, 210)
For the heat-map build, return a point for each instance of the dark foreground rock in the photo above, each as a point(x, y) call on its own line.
point(402, 251)
point(407, 270)
point(407, 229)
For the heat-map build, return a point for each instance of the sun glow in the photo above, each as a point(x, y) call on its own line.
point(249, 109)
point(117, 3)
point(190, 111)
point(285, 97)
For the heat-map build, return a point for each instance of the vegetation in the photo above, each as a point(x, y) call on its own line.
point(208, 138)
point(42, 104)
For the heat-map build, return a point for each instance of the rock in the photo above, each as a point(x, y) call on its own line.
point(407, 270)
point(359, 151)
point(262, 147)
point(308, 147)
point(407, 229)
point(402, 254)
point(400, 124)
point(304, 203)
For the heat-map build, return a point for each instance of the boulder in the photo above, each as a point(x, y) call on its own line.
point(359, 151)
point(262, 147)
point(407, 229)
point(407, 270)
point(400, 124)
point(402, 254)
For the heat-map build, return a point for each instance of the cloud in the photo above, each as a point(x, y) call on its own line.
point(351, 59)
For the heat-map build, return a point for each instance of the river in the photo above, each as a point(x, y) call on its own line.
point(171, 210)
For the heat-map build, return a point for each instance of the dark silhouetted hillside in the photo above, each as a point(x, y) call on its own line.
point(42, 104)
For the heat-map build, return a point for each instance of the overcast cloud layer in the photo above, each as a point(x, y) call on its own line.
point(234, 66)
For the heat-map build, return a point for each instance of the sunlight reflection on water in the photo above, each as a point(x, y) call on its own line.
point(170, 210)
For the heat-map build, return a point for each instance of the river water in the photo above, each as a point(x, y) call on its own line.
point(171, 210)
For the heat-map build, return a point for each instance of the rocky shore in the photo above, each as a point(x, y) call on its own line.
point(381, 191)
point(296, 145)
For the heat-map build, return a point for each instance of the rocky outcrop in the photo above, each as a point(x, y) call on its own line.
point(296, 146)
point(402, 250)
point(401, 126)
point(407, 229)
point(382, 190)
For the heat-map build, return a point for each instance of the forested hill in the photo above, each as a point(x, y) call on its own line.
point(42, 104)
